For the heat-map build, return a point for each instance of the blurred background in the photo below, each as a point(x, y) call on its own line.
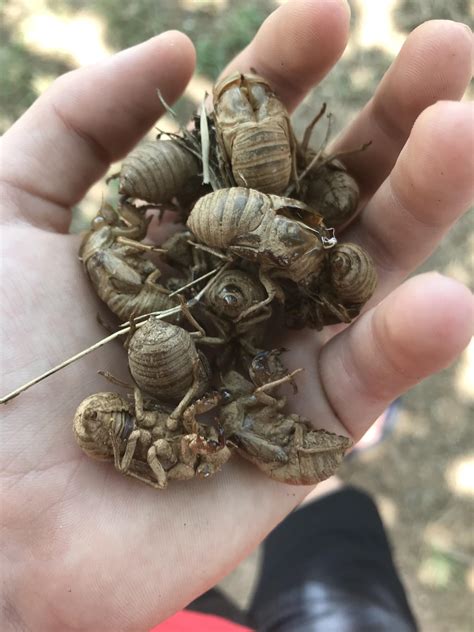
point(422, 476)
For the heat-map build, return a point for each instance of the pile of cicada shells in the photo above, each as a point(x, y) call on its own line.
point(254, 247)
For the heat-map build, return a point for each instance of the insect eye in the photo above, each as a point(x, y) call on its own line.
point(98, 222)
point(226, 396)
point(231, 295)
point(231, 299)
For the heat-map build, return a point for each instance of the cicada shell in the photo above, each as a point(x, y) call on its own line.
point(308, 457)
point(96, 419)
point(108, 427)
point(159, 170)
point(338, 295)
point(164, 361)
point(352, 273)
point(234, 292)
point(122, 276)
point(254, 132)
point(253, 226)
point(285, 447)
point(109, 223)
point(333, 191)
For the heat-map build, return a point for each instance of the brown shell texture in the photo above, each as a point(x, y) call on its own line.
point(160, 357)
point(334, 192)
point(247, 248)
point(218, 217)
point(157, 171)
point(147, 300)
point(119, 275)
point(352, 273)
point(93, 419)
point(312, 456)
point(234, 292)
point(246, 222)
point(253, 127)
point(261, 158)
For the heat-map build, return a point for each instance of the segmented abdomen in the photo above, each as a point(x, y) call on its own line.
point(157, 171)
point(219, 217)
point(160, 357)
point(261, 158)
point(353, 274)
point(145, 302)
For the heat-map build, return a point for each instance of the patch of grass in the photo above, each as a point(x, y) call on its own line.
point(217, 34)
point(440, 570)
point(231, 31)
point(409, 14)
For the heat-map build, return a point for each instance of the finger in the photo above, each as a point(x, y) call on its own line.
point(435, 63)
point(429, 188)
point(296, 46)
point(91, 117)
point(416, 331)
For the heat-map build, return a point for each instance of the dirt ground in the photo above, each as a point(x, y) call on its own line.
point(422, 475)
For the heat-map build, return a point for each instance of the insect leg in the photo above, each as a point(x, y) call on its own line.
point(200, 334)
point(160, 448)
point(249, 324)
point(200, 406)
point(137, 245)
point(115, 380)
point(262, 395)
point(190, 318)
point(330, 157)
point(212, 251)
point(139, 410)
point(122, 464)
point(146, 480)
point(212, 463)
point(172, 421)
point(309, 130)
point(336, 309)
point(272, 289)
point(131, 331)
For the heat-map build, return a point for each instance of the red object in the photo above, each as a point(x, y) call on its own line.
point(188, 621)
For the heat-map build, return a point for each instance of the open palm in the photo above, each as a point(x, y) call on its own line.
point(87, 549)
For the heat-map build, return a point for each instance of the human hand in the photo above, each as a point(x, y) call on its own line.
point(88, 549)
